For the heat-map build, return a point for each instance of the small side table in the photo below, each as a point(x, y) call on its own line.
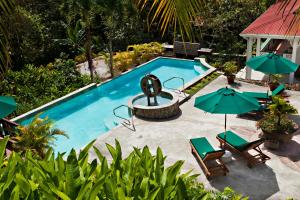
point(204, 51)
point(227, 157)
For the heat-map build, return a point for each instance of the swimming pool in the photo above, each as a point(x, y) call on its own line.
point(90, 114)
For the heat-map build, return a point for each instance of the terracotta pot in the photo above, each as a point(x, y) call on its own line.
point(273, 140)
point(230, 79)
point(273, 86)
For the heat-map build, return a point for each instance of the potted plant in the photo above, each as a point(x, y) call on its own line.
point(274, 81)
point(230, 69)
point(276, 125)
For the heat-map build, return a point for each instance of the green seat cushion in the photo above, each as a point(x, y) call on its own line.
point(202, 146)
point(257, 95)
point(278, 90)
point(234, 140)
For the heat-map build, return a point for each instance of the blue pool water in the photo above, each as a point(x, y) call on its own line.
point(90, 114)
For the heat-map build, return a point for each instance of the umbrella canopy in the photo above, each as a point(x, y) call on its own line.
point(226, 101)
point(272, 63)
point(7, 106)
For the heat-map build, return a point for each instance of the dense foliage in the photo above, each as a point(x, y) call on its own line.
point(37, 137)
point(138, 176)
point(136, 55)
point(220, 25)
point(6, 7)
point(276, 119)
point(34, 86)
point(203, 82)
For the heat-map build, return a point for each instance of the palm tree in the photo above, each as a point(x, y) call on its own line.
point(114, 13)
point(85, 10)
point(6, 8)
point(178, 14)
point(37, 137)
point(75, 38)
point(281, 109)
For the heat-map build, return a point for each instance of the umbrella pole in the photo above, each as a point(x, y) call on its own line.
point(225, 128)
point(268, 90)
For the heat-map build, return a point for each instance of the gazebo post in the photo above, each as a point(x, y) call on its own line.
point(258, 46)
point(294, 56)
point(249, 55)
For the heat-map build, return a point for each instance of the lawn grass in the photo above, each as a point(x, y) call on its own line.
point(202, 83)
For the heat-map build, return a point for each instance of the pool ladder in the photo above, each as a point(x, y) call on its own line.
point(175, 89)
point(125, 122)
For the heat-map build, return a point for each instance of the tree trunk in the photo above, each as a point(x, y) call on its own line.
point(111, 68)
point(88, 52)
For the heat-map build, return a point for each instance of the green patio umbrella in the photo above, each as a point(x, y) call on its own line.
point(272, 63)
point(226, 101)
point(7, 106)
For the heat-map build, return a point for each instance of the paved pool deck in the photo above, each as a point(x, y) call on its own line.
point(279, 178)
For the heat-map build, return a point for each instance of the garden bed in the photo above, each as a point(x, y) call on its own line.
point(193, 89)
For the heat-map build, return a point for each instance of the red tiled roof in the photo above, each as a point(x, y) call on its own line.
point(276, 21)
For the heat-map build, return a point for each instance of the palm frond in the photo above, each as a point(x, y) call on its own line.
point(6, 8)
point(176, 13)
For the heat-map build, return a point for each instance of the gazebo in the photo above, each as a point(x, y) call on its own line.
point(272, 32)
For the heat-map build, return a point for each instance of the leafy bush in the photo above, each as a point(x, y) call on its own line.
point(138, 176)
point(34, 86)
point(37, 137)
point(202, 83)
point(145, 52)
point(230, 68)
point(276, 119)
point(136, 54)
point(123, 60)
point(82, 57)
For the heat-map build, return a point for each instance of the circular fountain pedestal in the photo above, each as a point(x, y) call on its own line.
point(167, 106)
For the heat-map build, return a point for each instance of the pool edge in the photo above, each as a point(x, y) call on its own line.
point(55, 102)
point(95, 85)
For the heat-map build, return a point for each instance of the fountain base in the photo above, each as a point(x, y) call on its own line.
point(167, 106)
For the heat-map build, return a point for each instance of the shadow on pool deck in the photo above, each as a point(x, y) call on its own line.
point(258, 183)
point(277, 179)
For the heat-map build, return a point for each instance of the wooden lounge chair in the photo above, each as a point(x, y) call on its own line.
point(236, 144)
point(209, 158)
point(186, 48)
point(264, 95)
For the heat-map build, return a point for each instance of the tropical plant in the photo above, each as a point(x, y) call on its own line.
point(276, 119)
point(219, 28)
point(140, 175)
point(85, 10)
point(37, 137)
point(280, 108)
point(115, 14)
point(275, 78)
point(178, 14)
point(75, 38)
point(230, 68)
point(34, 86)
point(6, 8)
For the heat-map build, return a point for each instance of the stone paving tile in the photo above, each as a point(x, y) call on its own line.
point(279, 178)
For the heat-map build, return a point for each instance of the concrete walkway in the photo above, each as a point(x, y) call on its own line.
point(277, 179)
point(101, 68)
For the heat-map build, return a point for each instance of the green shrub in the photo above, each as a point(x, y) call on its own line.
point(230, 68)
point(276, 119)
point(138, 176)
point(37, 137)
point(34, 86)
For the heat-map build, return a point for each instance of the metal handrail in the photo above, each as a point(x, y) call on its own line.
point(175, 89)
point(126, 122)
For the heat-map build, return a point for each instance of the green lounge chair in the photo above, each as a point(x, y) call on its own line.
point(237, 144)
point(209, 158)
point(265, 95)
